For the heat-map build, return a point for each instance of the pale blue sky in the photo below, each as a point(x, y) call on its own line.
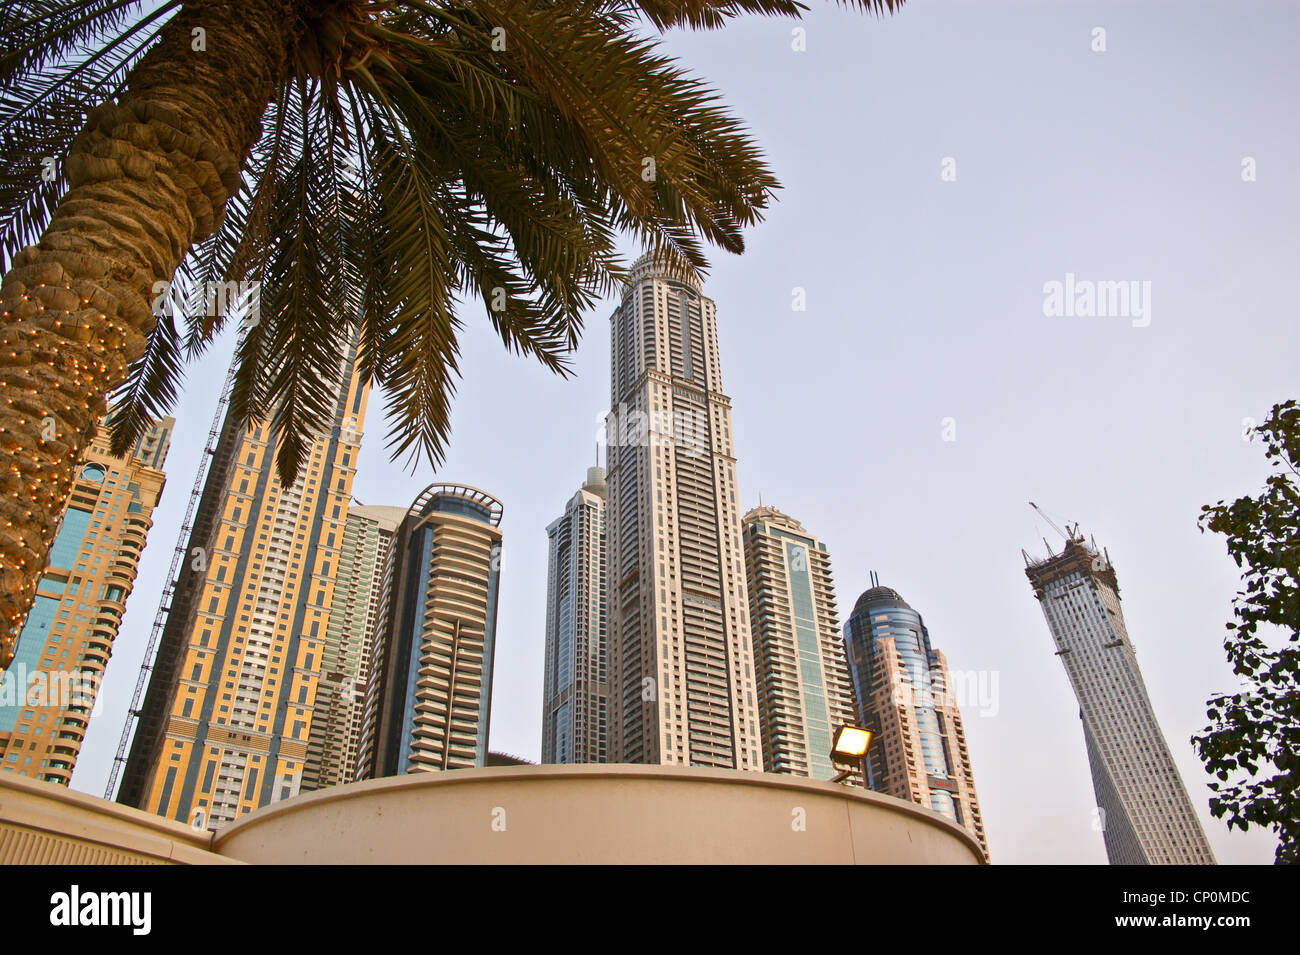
point(925, 302)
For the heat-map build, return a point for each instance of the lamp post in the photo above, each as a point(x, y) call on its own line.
point(850, 747)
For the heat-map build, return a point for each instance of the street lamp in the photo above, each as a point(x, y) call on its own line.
point(851, 745)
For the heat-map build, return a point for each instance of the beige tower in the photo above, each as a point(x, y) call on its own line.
point(681, 670)
point(805, 690)
point(225, 722)
point(51, 686)
point(333, 745)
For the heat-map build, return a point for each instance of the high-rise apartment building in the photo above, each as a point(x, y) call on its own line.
point(1144, 813)
point(224, 724)
point(681, 668)
point(804, 691)
point(333, 743)
point(575, 698)
point(429, 697)
point(50, 688)
point(905, 693)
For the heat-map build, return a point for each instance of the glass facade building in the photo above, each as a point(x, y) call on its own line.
point(49, 691)
point(429, 697)
point(575, 694)
point(904, 693)
point(804, 692)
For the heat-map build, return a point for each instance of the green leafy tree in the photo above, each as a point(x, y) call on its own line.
point(372, 164)
point(1252, 744)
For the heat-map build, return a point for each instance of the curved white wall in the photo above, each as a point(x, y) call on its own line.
point(595, 814)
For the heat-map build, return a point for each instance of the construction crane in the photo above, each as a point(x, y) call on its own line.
point(1073, 529)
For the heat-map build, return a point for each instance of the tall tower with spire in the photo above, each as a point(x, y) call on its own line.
point(681, 665)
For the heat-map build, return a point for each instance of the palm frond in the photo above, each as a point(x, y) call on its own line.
point(645, 115)
point(417, 341)
point(696, 14)
point(711, 15)
point(290, 361)
point(152, 386)
point(37, 33)
point(407, 162)
point(517, 229)
point(43, 105)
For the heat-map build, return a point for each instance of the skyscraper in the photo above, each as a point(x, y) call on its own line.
point(575, 696)
point(332, 746)
point(681, 669)
point(906, 694)
point(804, 691)
point(51, 686)
point(429, 697)
point(1145, 815)
point(224, 724)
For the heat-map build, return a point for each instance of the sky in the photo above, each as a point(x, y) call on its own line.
point(940, 168)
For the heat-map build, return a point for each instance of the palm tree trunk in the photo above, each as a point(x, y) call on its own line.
point(148, 177)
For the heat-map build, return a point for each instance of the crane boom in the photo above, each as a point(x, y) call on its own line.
point(1073, 530)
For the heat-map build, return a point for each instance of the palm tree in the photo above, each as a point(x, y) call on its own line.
point(370, 164)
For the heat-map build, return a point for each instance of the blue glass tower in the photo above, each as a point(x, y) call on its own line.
point(903, 693)
point(430, 693)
